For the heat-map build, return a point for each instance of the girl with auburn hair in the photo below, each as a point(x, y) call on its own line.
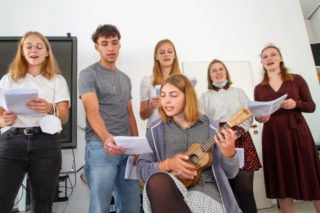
point(27, 146)
point(181, 126)
point(290, 159)
point(165, 64)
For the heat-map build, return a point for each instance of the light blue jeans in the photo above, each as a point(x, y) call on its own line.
point(105, 174)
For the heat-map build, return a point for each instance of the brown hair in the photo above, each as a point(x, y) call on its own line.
point(284, 70)
point(19, 66)
point(157, 73)
point(210, 86)
point(191, 109)
point(107, 31)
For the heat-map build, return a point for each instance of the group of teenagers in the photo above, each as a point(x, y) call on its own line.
point(177, 120)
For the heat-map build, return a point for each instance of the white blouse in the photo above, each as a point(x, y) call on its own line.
point(221, 105)
point(147, 91)
point(54, 90)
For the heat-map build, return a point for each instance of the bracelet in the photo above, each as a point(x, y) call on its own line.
point(52, 110)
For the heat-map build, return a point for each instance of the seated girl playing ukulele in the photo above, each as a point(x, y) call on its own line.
point(166, 169)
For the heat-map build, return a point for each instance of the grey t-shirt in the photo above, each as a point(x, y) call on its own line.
point(113, 89)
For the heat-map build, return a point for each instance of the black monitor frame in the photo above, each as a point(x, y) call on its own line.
point(316, 53)
point(71, 141)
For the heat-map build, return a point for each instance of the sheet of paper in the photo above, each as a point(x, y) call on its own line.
point(135, 145)
point(240, 152)
point(265, 107)
point(131, 170)
point(3, 101)
point(16, 100)
point(157, 89)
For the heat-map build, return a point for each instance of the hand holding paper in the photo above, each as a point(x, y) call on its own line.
point(263, 118)
point(155, 100)
point(111, 147)
point(9, 117)
point(17, 99)
point(134, 145)
point(288, 104)
point(259, 108)
point(39, 105)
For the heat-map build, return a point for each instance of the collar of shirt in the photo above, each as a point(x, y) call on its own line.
point(199, 121)
point(218, 88)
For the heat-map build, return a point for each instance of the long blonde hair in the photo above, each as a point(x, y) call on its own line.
point(19, 66)
point(157, 73)
point(191, 109)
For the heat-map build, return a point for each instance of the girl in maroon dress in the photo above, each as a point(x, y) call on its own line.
point(290, 160)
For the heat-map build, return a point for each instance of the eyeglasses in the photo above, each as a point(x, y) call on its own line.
point(29, 46)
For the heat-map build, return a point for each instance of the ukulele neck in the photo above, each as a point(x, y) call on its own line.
point(205, 147)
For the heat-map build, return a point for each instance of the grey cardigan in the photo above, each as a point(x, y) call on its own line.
point(222, 168)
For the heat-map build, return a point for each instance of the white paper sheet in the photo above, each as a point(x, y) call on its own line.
point(131, 170)
point(135, 145)
point(16, 100)
point(258, 108)
point(157, 89)
point(240, 152)
point(3, 101)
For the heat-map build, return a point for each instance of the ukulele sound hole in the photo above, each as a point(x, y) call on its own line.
point(194, 159)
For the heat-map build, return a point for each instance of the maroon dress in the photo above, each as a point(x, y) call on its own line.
point(251, 159)
point(290, 159)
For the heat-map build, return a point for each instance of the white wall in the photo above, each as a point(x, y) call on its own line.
point(202, 30)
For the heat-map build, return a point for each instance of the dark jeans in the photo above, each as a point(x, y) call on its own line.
point(38, 155)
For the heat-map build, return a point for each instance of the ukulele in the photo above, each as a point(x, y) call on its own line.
point(200, 155)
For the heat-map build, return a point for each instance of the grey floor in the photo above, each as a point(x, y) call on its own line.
point(303, 207)
point(79, 200)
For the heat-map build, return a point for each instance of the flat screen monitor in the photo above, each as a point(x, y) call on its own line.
point(65, 52)
point(316, 53)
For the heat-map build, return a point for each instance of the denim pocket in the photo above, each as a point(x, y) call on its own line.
point(95, 153)
point(11, 144)
point(98, 157)
point(7, 135)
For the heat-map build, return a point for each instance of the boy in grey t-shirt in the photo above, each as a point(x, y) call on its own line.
point(105, 92)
